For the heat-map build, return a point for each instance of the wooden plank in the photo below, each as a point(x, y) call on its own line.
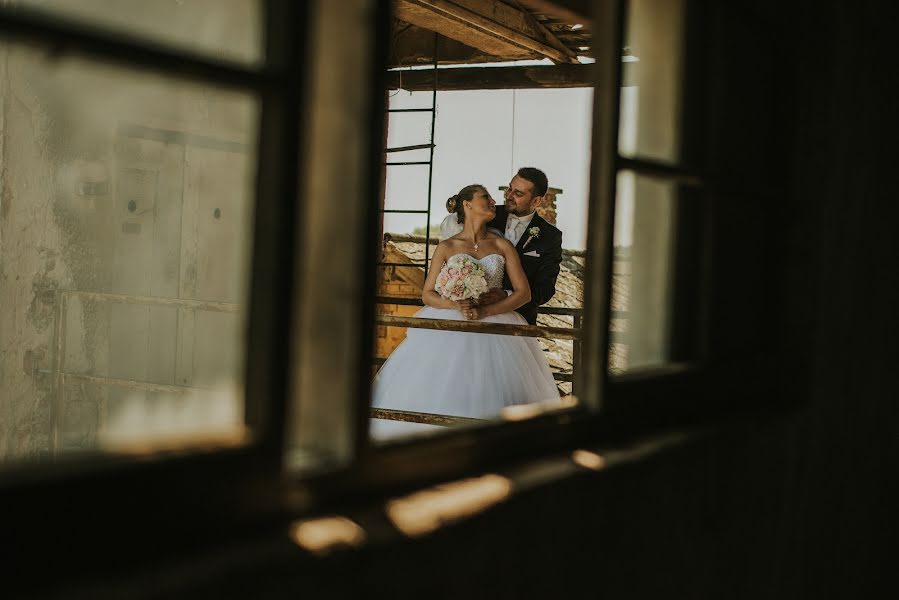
point(336, 154)
point(593, 371)
point(552, 333)
point(414, 46)
point(491, 26)
point(545, 34)
point(573, 12)
point(543, 310)
point(391, 414)
point(495, 78)
point(420, 16)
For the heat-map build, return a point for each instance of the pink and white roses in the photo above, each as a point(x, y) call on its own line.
point(462, 277)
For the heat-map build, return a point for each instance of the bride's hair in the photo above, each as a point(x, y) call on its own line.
point(454, 203)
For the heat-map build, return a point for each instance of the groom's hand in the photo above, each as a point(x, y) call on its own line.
point(466, 307)
point(492, 297)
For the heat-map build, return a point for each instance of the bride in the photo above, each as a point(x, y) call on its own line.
point(465, 374)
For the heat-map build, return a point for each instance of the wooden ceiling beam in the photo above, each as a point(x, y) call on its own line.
point(415, 46)
point(546, 34)
point(570, 11)
point(494, 78)
point(488, 25)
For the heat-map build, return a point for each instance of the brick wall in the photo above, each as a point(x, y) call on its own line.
point(388, 338)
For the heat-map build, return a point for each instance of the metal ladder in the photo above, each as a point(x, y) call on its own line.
point(429, 162)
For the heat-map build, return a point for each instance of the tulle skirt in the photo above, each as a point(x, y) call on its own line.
point(460, 374)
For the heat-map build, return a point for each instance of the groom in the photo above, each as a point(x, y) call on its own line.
point(539, 244)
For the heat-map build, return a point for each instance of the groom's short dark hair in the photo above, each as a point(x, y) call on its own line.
point(537, 177)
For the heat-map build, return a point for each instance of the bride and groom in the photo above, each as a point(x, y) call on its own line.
point(474, 374)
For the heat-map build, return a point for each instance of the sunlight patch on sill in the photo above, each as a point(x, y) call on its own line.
point(176, 443)
point(322, 535)
point(522, 412)
point(588, 459)
point(428, 510)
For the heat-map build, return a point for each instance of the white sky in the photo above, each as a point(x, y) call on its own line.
point(484, 136)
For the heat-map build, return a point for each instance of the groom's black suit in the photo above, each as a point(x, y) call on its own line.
point(542, 269)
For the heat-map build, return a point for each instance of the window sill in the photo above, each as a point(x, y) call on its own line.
point(378, 521)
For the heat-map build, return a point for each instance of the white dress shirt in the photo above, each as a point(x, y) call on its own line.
point(516, 226)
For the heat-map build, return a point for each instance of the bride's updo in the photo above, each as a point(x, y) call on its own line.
point(454, 204)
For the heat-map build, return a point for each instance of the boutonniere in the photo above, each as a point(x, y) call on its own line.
point(533, 233)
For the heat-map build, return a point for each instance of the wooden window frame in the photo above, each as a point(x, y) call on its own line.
point(177, 501)
point(684, 393)
point(609, 409)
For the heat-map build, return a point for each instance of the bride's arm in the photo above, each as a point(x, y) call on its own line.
point(522, 291)
point(428, 295)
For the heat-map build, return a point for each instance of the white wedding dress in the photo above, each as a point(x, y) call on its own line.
point(461, 374)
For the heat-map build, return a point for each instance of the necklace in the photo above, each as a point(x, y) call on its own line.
point(474, 242)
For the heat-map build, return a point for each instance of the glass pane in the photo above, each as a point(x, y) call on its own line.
point(643, 266)
point(451, 378)
point(224, 29)
point(125, 220)
point(652, 78)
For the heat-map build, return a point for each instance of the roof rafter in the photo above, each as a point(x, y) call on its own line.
point(548, 36)
point(571, 11)
point(494, 78)
point(488, 25)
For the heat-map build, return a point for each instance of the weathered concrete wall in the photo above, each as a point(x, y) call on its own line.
point(121, 182)
point(31, 236)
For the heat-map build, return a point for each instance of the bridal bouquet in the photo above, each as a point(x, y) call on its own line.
point(460, 278)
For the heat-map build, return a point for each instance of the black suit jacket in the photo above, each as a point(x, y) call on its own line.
point(541, 270)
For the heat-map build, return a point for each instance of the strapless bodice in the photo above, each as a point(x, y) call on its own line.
point(494, 268)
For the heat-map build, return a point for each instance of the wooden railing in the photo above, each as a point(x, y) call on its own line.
point(536, 331)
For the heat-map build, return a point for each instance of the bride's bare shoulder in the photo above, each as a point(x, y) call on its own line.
point(448, 245)
point(503, 244)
